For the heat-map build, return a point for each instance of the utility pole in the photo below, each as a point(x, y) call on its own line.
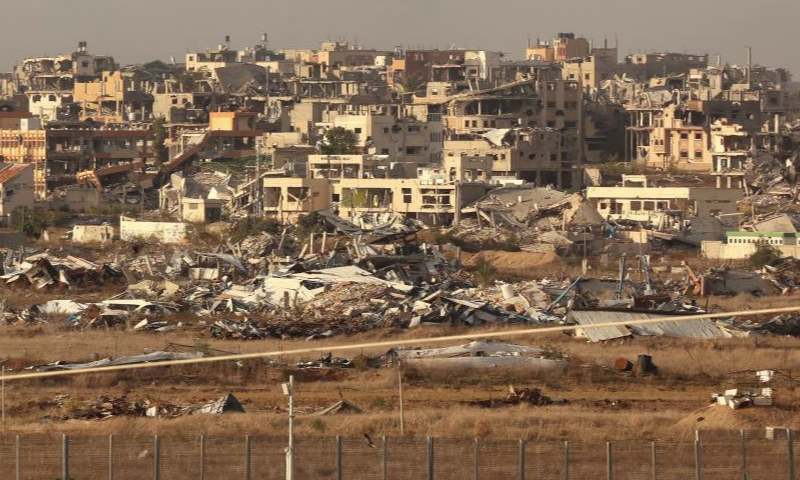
point(400, 387)
point(257, 182)
point(288, 390)
point(4, 399)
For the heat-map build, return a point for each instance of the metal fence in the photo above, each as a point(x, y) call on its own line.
point(116, 457)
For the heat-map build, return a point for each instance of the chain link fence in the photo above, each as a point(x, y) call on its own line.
point(746, 456)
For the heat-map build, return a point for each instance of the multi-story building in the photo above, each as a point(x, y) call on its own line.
point(353, 184)
point(224, 56)
point(23, 141)
point(638, 201)
point(540, 156)
point(49, 82)
point(421, 63)
point(563, 47)
point(75, 147)
point(680, 134)
point(386, 130)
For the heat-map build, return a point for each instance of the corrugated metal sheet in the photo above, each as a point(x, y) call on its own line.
point(702, 328)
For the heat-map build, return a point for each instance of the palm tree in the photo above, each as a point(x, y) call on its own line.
point(405, 83)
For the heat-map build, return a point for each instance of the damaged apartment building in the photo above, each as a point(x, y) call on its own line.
point(49, 82)
point(353, 184)
point(550, 129)
point(712, 118)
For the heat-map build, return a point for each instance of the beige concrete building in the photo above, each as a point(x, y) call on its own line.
point(537, 155)
point(25, 143)
point(350, 185)
point(113, 98)
point(636, 200)
point(385, 131)
point(16, 189)
point(689, 134)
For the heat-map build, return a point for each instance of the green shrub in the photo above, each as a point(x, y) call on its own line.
point(764, 255)
point(485, 271)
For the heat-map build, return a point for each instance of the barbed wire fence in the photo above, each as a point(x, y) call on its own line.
point(746, 456)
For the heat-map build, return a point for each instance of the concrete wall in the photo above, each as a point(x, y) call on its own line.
point(17, 193)
point(92, 233)
point(82, 199)
point(716, 250)
point(166, 232)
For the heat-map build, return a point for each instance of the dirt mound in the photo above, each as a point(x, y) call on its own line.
point(521, 263)
point(721, 417)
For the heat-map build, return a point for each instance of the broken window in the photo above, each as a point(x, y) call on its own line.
point(406, 195)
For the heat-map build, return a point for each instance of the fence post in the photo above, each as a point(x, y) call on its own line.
point(430, 458)
point(157, 458)
point(338, 458)
point(65, 457)
point(17, 458)
point(698, 464)
point(744, 455)
point(653, 460)
point(566, 459)
point(609, 462)
point(202, 457)
point(247, 457)
point(477, 448)
point(522, 460)
point(111, 457)
point(789, 443)
point(384, 459)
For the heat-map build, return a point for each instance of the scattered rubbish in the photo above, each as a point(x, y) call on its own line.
point(752, 388)
point(521, 396)
point(342, 406)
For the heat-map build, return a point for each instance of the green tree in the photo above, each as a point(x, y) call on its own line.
point(186, 81)
point(764, 255)
point(31, 222)
point(160, 135)
point(339, 141)
point(405, 83)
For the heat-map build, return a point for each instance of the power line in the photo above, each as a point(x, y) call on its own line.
point(396, 343)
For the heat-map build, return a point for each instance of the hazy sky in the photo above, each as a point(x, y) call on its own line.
point(143, 30)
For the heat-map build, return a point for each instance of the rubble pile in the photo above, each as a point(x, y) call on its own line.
point(767, 176)
point(521, 396)
point(46, 271)
point(758, 393)
point(106, 406)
